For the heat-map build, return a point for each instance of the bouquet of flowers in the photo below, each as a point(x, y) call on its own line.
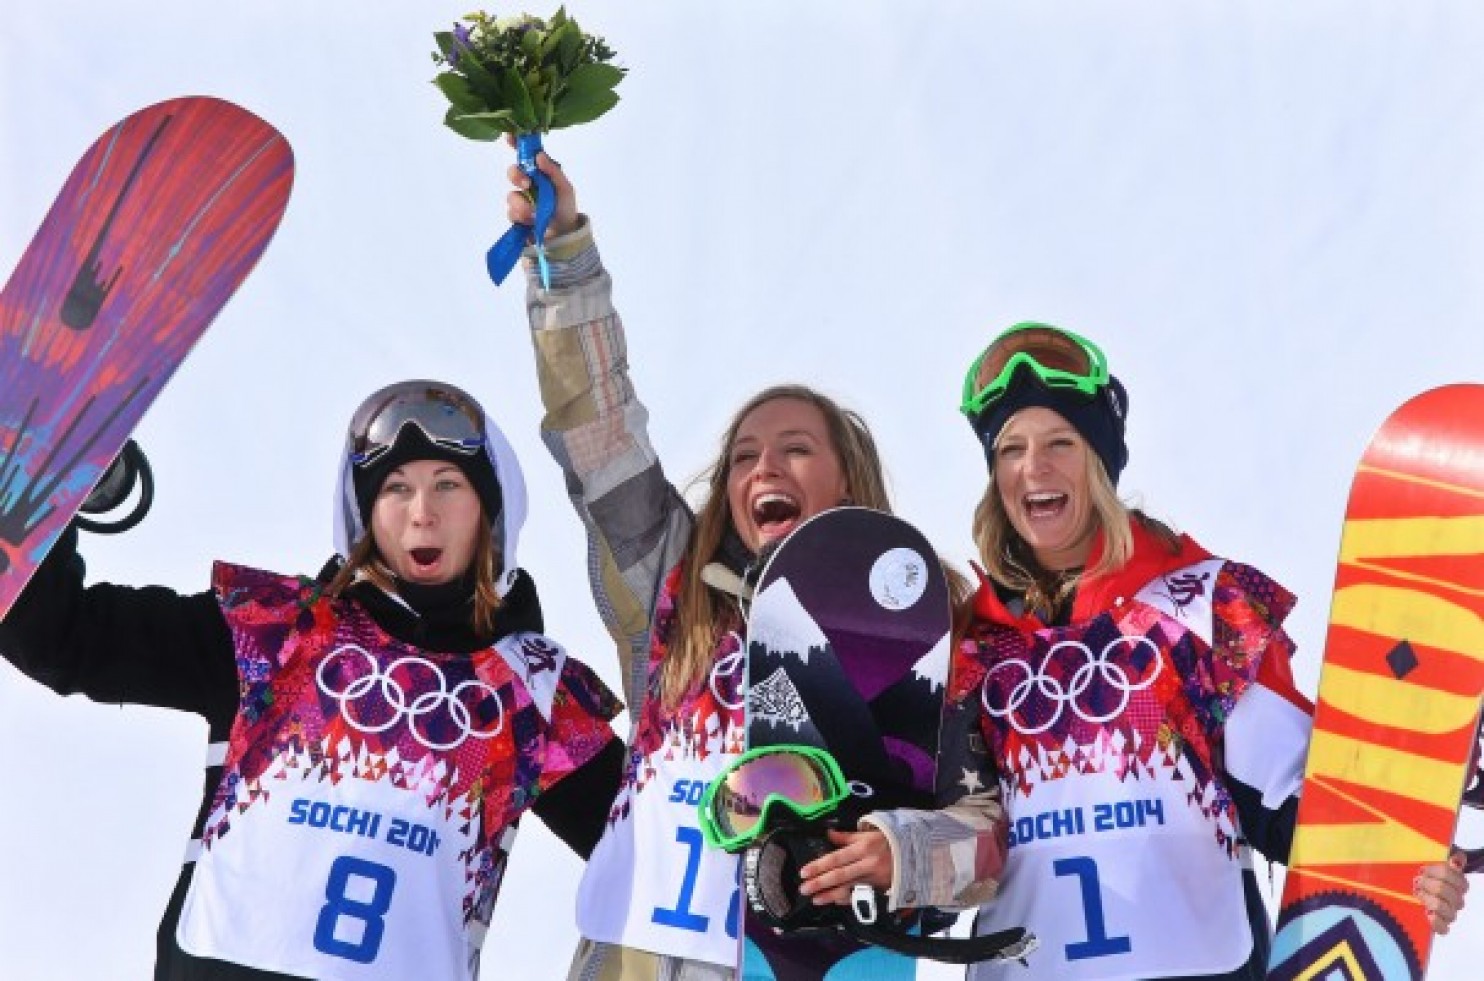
point(523, 76)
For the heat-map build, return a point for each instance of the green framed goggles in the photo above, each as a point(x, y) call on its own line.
point(737, 805)
point(1059, 358)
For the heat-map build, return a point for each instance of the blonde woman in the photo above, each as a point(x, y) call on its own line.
point(1139, 703)
point(655, 904)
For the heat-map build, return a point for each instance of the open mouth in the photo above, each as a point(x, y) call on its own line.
point(425, 558)
point(775, 514)
point(1045, 504)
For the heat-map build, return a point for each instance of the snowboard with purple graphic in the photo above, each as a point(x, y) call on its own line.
point(848, 642)
point(157, 225)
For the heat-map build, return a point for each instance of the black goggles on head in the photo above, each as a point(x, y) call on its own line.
point(448, 417)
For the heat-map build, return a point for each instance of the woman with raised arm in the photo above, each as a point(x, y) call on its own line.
point(655, 903)
point(375, 732)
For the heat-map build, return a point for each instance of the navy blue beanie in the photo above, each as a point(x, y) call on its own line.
point(1099, 418)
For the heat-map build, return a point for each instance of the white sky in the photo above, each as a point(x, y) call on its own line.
point(1270, 214)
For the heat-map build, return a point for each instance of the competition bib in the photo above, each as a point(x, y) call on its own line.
point(1125, 854)
point(366, 897)
point(1089, 872)
point(653, 883)
point(369, 791)
point(682, 895)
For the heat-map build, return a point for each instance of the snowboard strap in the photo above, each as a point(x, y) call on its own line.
point(1473, 796)
point(1006, 945)
point(128, 469)
point(718, 576)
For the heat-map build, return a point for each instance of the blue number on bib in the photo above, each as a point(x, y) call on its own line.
point(339, 907)
point(734, 912)
point(681, 916)
point(1098, 943)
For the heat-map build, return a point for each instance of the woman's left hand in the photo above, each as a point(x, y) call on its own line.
point(859, 857)
point(1440, 888)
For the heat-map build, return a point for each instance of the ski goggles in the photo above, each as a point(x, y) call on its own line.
point(1059, 358)
point(737, 806)
point(448, 417)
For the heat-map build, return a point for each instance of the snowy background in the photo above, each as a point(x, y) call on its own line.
point(1271, 215)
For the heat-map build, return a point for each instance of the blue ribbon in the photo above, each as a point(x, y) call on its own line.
point(505, 253)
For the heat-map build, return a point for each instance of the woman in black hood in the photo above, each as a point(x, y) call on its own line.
point(375, 732)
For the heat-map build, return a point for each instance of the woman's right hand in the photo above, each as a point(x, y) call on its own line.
point(1440, 888)
point(520, 209)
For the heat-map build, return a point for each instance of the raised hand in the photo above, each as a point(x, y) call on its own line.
point(521, 210)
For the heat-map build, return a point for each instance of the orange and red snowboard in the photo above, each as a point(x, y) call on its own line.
point(1398, 709)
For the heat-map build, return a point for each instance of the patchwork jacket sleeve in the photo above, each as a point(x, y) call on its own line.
point(950, 858)
point(596, 428)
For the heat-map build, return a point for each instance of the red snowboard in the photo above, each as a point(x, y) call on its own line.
point(1398, 699)
point(157, 225)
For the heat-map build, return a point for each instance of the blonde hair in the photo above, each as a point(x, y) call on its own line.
point(702, 614)
point(1010, 562)
point(365, 562)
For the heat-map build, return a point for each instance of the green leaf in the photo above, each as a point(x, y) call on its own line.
point(479, 76)
point(593, 78)
point(569, 49)
point(551, 86)
point(519, 99)
point(582, 107)
point(530, 42)
point(550, 40)
point(457, 89)
point(484, 82)
point(445, 42)
point(587, 95)
point(480, 125)
point(536, 86)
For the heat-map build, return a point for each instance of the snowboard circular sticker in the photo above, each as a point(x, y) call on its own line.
point(898, 578)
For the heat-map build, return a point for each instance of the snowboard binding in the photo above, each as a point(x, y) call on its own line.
point(1473, 796)
point(117, 485)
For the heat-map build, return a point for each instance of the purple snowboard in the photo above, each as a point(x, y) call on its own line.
point(848, 649)
point(159, 222)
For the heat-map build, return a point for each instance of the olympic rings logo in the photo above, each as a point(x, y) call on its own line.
point(726, 674)
point(1097, 667)
point(426, 699)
